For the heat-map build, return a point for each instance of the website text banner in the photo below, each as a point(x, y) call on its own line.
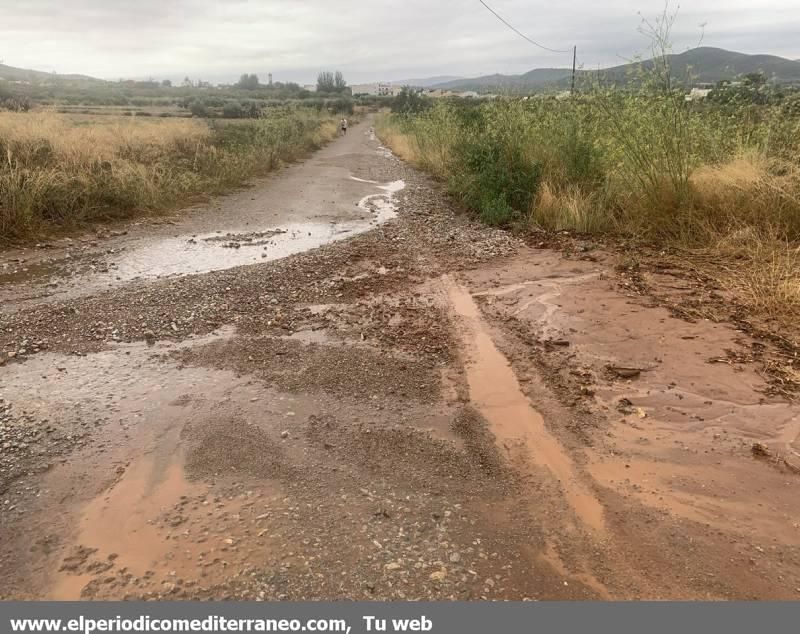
point(438, 618)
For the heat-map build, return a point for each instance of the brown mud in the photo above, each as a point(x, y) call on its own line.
point(426, 410)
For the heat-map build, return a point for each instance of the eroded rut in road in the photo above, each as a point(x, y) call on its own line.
point(516, 425)
point(421, 411)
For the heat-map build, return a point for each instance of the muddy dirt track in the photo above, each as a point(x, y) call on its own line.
point(331, 385)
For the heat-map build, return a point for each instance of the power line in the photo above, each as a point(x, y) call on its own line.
point(522, 35)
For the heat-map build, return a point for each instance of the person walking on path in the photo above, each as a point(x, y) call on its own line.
point(343, 125)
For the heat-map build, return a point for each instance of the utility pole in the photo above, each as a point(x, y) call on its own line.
point(574, 58)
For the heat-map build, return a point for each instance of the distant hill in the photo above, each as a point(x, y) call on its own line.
point(710, 65)
point(532, 80)
point(706, 65)
point(426, 82)
point(11, 73)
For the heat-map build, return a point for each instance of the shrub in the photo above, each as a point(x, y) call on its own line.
point(232, 110)
point(495, 179)
point(198, 108)
point(409, 101)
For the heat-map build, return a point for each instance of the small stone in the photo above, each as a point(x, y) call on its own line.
point(284, 434)
point(439, 575)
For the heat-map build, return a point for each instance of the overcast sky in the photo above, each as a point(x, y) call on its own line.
point(217, 40)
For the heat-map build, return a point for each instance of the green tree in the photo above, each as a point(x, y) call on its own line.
point(755, 79)
point(331, 82)
point(409, 101)
point(248, 82)
point(325, 82)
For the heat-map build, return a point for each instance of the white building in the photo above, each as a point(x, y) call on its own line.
point(697, 93)
point(380, 89)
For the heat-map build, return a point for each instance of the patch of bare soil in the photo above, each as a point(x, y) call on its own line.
point(667, 432)
point(690, 287)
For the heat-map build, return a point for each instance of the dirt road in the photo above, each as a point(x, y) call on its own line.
point(260, 399)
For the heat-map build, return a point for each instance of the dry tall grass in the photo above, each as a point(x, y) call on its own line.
point(55, 170)
point(749, 190)
point(568, 207)
point(430, 149)
point(402, 145)
point(80, 144)
point(763, 273)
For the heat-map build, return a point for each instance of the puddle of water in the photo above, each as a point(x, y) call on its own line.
point(122, 522)
point(177, 256)
point(213, 252)
point(186, 254)
point(382, 204)
point(495, 391)
point(549, 328)
point(363, 180)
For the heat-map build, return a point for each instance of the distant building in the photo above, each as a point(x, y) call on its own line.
point(378, 89)
point(438, 93)
point(697, 93)
point(310, 87)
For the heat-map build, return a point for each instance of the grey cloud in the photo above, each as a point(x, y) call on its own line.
point(220, 39)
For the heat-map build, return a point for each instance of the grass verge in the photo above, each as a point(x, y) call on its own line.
point(58, 172)
point(720, 186)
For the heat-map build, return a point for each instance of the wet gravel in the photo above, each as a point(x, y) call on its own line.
point(427, 239)
point(31, 445)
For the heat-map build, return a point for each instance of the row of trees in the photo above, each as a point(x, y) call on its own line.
point(327, 82)
point(247, 82)
point(331, 82)
point(211, 106)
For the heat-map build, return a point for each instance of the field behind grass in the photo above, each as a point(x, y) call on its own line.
point(61, 170)
point(720, 183)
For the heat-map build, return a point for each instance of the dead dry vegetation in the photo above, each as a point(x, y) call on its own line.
point(58, 171)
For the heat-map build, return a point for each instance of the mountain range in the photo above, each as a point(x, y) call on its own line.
point(11, 73)
point(704, 64)
point(427, 82)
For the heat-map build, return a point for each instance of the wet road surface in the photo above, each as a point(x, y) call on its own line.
point(268, 400)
